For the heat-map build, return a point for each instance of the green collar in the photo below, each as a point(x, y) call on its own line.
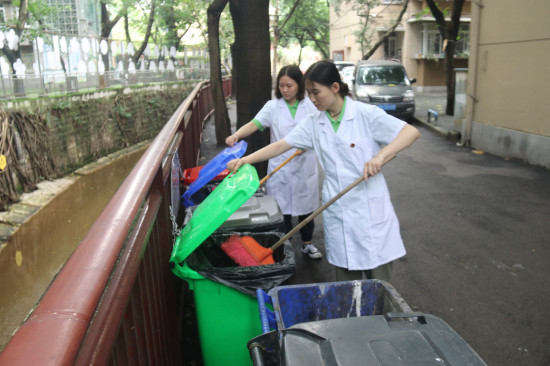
point(336, 122)
point(293, 108)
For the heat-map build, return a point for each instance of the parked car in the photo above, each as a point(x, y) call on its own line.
point(347, 75)
point(341, 64)
point(385, 84)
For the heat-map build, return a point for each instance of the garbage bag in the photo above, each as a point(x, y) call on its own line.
point(210, 261)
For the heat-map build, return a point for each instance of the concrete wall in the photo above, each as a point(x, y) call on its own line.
point(509, 79)
point(83, 127)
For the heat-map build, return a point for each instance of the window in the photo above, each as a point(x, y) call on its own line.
point(65, 20)
point(382, 75)
point(390, 47)
point(462, 48)
point(432, 42)
point(338, 55)
point(2, 16)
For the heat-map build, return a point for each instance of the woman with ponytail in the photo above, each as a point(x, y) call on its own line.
point(351, 139)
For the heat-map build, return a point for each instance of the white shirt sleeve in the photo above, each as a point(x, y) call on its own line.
point(384, 128)
point(301, 137)
point(266, 115)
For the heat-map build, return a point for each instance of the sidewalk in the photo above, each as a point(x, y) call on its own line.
point(436, 101)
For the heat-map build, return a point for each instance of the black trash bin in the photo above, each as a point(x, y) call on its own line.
point(407, 339)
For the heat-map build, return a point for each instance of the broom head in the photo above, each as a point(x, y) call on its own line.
point(247, 252)
point(261, 254)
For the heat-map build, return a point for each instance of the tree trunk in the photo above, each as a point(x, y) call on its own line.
point(233, 74)
point(252, 66)
point(449, 78)
point(106, 27)
point(449, 33)
point(221, 116)
point(150, 22)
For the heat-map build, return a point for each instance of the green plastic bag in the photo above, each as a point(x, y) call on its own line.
point(231, 194)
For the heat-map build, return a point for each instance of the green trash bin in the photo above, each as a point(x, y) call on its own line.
point(225, 302)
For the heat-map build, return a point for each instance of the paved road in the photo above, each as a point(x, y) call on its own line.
point(477, 231)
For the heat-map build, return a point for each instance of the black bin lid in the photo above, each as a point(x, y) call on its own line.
point(381, 340)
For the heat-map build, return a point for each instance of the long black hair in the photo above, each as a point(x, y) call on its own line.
point(326, 73)
point(293, 72)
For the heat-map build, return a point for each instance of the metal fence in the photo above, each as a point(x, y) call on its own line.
point(13, 87)
point(56, 63)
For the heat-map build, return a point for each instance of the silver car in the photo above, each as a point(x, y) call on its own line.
point(341, 64)
point(347, 75)
point(385, 84)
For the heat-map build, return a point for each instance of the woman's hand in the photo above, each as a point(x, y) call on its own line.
point(235, 164)
point(232, 140)
point(265, 153)
point(373, 166)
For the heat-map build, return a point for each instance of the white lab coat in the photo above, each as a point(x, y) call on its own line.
point(296, 185)
point(361, 228)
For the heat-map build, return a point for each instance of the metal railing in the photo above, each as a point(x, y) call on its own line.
point(115, 302)
point(13, 87)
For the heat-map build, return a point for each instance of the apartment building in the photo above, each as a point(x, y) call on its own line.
point(416, 41)
point(504, 45)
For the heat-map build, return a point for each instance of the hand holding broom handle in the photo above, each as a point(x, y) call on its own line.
point(296, 153)
point(323, 207)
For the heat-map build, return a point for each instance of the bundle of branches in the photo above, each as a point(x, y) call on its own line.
point(23, 139)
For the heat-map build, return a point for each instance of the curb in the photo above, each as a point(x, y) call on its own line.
point(453, 136)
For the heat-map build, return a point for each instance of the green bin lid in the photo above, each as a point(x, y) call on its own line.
point(228, 196)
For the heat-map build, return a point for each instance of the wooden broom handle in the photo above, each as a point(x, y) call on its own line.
point(296, 153)
point(323, 207)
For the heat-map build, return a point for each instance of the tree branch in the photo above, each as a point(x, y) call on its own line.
point(147, 32)
point(439, 17)
point(289, 15)
point(388, 32)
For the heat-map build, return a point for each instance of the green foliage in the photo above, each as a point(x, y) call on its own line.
point(123, 112)
point(174, 18)
point(37, 11)
point(61, 104)
point(427, 12)
point(308, 24)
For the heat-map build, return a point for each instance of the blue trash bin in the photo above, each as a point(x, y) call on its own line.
point(294, 304)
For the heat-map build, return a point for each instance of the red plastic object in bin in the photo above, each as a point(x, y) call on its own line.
point(191, 174)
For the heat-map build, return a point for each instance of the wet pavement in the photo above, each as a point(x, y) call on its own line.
point(476, 231)
point(448, 127)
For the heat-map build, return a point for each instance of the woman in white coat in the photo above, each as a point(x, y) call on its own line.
point(351, 139)
point(296, 185)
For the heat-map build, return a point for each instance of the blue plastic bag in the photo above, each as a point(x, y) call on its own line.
point(213, 168)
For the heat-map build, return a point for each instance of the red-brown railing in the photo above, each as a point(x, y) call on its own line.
point(115, 301)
